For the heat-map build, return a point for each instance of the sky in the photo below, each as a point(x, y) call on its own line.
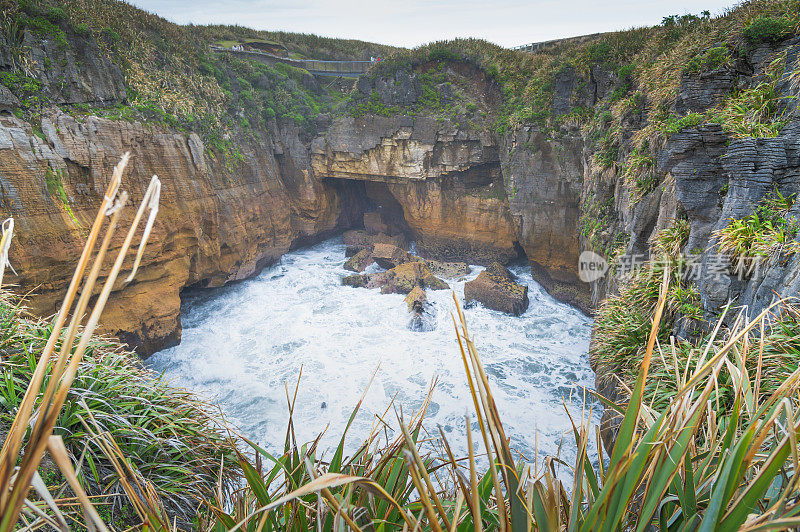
point(413, 22)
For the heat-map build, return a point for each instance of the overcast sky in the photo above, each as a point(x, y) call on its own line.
point(413, 22)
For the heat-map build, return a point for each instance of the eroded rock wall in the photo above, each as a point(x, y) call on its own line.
point(447, 181)
point(220, 219)
point(468, 193)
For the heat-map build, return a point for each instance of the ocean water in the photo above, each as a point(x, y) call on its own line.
point(244, 347)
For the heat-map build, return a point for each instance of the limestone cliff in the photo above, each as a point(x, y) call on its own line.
point(446, 180)
point(220, 220)
point(466, 192)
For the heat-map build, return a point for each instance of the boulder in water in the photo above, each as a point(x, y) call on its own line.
point(398, 240)
point(403, 278)
point(449, 270)
point(388, 255)
point(495, 289)
point(422, 313)
point(360, 261)
point(416, 300)
point(356, 241)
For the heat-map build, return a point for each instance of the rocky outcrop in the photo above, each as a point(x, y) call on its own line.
point(388, 256)
point(446, 180)
point(707, 177)
point(220, 220)
point(495, 288)
point(448, 270)
point(544, 181)
point(401, 279)
point(422, 312)
point(360, 261)
point(468, 193)
point(416, 300)
point(355, 240)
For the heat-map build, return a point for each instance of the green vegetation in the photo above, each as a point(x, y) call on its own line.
point(670, 241)
point(623, 321)
point(757, 111)
point(26, 88)
point(596, 221)
point(768, 30)
point(765, 233)
point(675, 123)
point(172, 78)
point(640, 173)
point(171, 437)
point(709, 60)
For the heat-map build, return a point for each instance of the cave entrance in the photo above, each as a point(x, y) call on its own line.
point(383, 202)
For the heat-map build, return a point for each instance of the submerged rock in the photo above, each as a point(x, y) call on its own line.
point(422, 312)
point(416, 300)
point(495, 289)
point(401, 279)
point(356, 281)
point(360, 261)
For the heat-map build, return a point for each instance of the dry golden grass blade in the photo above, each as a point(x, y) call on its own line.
point(708, 366)
point(46, 420)
point(472, 388)
point(41, 489)
point(457, 511)
point(77, 316)
point(433, 522)
point(142, 497)
point(150, 201)
point(13, 442)
point(331, 500)
point(5, 245)
point(60, 456)
point(326, 481)
point(457, 476)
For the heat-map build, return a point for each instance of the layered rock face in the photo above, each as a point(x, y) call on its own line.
point(220, 220)
point(544, 182)
point(446, 180)
point(466, 192)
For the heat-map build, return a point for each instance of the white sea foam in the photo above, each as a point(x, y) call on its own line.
point(243, 343)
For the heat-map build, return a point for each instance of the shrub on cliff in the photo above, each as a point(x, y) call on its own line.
point(768, 30)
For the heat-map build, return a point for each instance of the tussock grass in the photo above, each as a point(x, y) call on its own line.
point(171, 437)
